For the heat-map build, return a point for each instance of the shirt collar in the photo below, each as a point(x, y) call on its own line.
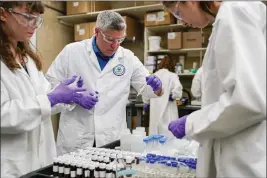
point(98, 52)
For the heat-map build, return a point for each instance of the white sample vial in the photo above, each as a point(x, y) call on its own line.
point(102, 170)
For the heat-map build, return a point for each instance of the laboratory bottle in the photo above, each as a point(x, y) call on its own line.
point(55, 168)
point(67, 169)
point(96, 173)
point(109, 171)
point(73, 169)
point(100, 159)
point(61, 168)
point(128, 165)
point(102, 170)
point(85, 170)
point(79, 171)
point(114, 170)
point(92, 171)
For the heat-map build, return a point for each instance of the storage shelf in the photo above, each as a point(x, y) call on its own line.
point(178, 51)
point(189, 74)
point(166, 28)
point(136, 12)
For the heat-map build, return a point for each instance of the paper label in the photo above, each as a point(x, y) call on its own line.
point(171, 36)
point(67, 171)
point(102, 173)
point(61, 169)
point(79, 171)
point(73, 174)
point(75, 4)
point(151, 17)
point(96, 173)
point(87, 173)
point(55, 168)
point(81, 32)
point(160, 16)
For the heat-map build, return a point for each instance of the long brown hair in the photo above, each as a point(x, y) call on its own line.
point(23, 47)
point(204, 5)
point(167, 63)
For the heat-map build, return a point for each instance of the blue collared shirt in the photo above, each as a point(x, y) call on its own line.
point(102, 60)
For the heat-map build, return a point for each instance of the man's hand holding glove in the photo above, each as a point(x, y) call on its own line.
point(155, 84)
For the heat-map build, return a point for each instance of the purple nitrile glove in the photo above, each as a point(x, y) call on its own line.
point(170, 98)
point(146, 107)
point(154, 82)
point(177, 127)
point(87, 101)
point(64, 93)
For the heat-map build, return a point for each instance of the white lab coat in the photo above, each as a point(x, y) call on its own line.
point(27, 139)
point(196, 84)
point(231, 126)
point(106, 121)
point(163, 111)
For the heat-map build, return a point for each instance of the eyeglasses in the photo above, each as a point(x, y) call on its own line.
point(111, 40)
point(176, 14)
point(28, 19)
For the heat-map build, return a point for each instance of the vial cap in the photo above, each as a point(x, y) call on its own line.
point(100, 158)
point(102, 165)
point(92, 166)
point(96, 164)
point(114, 167)
point(119, 156)
point(106, 159)
point(79, 164)
point(109, 167)
point(94, 157)
point(103, 154)
point(129, 159)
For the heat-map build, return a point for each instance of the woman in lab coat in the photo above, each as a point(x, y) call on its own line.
point(164, 109)
point(231, 125)
point(27, 140)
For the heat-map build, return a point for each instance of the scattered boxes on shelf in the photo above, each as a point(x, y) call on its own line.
point(159, 18)
point(83, 7)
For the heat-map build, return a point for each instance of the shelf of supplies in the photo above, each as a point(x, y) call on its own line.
point(136, 12)
point(178, 51)
point(166, 28)
point(187, 74)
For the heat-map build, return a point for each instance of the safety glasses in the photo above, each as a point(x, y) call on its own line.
point(176, 14)
point(111, 40)
point(28, 20)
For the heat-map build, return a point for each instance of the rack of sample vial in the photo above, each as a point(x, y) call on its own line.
point(107, 163)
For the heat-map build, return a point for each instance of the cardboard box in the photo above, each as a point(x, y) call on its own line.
point(192, 39)
point(151, 2)
point(133, 28)
point(84, 31)
point(82, 7)
point(175, 40)
point(205, 38)
point(159, 18)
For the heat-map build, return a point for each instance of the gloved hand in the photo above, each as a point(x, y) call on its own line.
point(170, 98)
point(146, 107)
point(87, 101)
point(154, 82)
point(63, 93)
point(177, 127)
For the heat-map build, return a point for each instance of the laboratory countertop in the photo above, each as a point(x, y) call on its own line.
point(187, 107)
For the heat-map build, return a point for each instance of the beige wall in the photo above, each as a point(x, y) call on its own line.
point(51, 39)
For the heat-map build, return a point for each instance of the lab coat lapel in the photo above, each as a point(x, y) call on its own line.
point(92, 55)
point(112, 63)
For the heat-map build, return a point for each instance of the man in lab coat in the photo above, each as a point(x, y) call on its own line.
point(109, 69)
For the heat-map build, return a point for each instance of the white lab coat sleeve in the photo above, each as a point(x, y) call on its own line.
point(138, 80)
point(240, 56)
point(57, 72)
point(22, 115)
point(196, 84)
point(176, 87)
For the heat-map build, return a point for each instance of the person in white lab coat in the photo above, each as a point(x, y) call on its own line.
point(196, 84)
point(27, 138)
point(231, 125)
point(164, 109)
point(108, 69)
